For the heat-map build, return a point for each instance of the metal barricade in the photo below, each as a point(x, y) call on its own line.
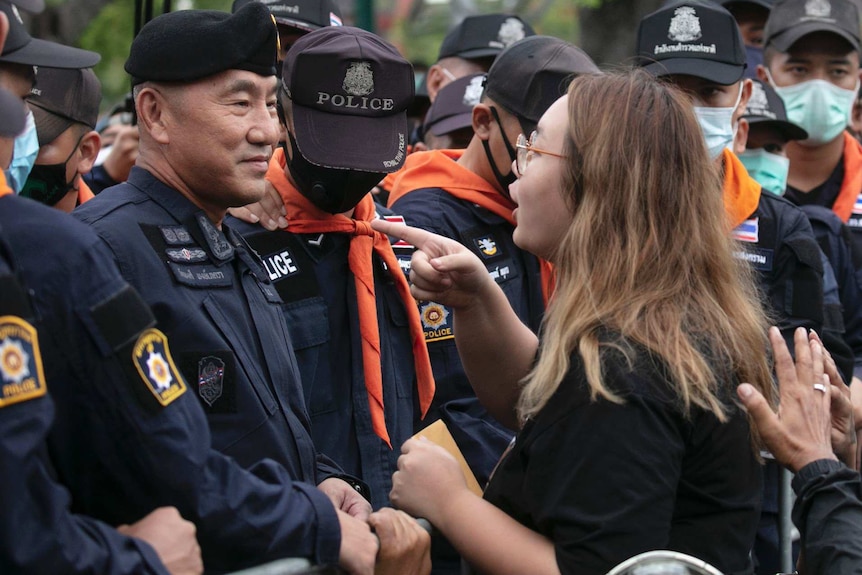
point(289, 567)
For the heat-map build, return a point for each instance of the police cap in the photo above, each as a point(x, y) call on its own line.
point(192, 44)
point(532, 74)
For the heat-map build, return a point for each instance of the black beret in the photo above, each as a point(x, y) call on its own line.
point(193, 44)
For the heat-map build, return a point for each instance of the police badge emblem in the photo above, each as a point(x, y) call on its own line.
point(818, 9)
point(434, 315)
point(487, 246)
point(473, 91)
point(758, 104)
point(359, 79)
point(511, 30)
point(685, 25)
point(436, 322)
point(21, 374)
point(210, 379)
point(154, 363)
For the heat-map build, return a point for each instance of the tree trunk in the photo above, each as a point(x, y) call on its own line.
point(609, 32)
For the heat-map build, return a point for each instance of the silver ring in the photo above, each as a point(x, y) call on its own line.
point(820, 387)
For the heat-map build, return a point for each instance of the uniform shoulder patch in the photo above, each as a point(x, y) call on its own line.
point(154, 363)
point(21, 372)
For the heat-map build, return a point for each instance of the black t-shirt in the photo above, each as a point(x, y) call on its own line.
point(606, 481)
point(823, 195)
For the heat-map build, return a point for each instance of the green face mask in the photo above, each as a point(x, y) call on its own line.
point(770, 170)
point(819, 107)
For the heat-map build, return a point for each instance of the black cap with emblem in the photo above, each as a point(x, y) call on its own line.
point(21, 48)
point(192, 44)
point(766, 108)
point(790, 20)
point(453, 108)
point(483, 36)
point(306, 15)
point(694, 38)
point(349, 91)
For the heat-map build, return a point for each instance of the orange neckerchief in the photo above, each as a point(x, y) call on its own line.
point(851, 187)
point(5, 190)
point(434, 170)
point(741, 191)
point(85, 194)
point(305, 218)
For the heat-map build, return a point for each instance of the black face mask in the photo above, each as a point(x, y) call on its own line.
point(330, 189)
point(47, 183)
point(510, 178)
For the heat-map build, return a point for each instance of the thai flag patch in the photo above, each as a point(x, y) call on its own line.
point(857, 207)
point(747, 231)
point(398, 220)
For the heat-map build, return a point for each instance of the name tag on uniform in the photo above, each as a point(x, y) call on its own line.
point(203, 276)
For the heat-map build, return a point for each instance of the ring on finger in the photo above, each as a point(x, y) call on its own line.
point(820, 387)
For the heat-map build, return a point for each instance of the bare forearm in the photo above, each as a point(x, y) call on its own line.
point(493, 542)
point(497, 350)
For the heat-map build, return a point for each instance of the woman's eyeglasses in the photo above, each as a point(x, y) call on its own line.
point(526, 149)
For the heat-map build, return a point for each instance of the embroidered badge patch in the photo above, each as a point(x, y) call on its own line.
point(436, 321)
point(210, 379)
point(21, 374)
point(176, 235)
point(487, 246)
point(152, 358)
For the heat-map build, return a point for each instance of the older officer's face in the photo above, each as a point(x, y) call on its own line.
point(221, 132)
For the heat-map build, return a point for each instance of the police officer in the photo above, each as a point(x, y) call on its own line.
point(337, 276)
point(65, 107)
point(766, 160)
point(20, 58)
point(464, 195)
point(211, 295)
point(697, 45)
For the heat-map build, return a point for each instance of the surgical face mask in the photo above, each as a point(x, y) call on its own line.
point(770, 170)
point(819, 107)
point(717, 126)
point(332, 190)
point(24, 155)
point(47, 183)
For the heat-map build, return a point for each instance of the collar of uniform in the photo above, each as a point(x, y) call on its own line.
point(184, 212)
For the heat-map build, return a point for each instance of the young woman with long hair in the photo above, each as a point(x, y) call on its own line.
point(630, 438)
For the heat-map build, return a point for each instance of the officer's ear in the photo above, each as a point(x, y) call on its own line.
point(435, 79)
point(747, 87)
point(151, 106)
point(741, 138)
point(482, 120)
point(89, 148)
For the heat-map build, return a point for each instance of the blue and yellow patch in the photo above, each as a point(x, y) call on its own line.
point(152, 358)
point(21, 374)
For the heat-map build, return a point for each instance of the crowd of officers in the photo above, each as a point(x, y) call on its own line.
point(216, 365)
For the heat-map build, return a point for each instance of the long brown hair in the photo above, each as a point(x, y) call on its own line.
point(648, 254)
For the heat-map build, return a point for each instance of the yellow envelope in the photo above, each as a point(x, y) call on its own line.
point(438, 433)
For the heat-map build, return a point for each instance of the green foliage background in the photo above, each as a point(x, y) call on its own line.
point(110, 33)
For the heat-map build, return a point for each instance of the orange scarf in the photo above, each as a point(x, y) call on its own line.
point(420, 171)
point(305, 218)
point(5, 190)
point(851, 187)
point(741, 191)
point(85, 194)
